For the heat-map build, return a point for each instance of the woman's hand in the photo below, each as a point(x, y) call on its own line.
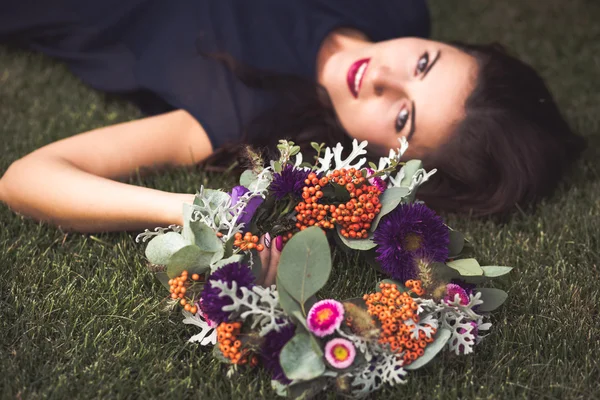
point(269, 259)
point(69, 182)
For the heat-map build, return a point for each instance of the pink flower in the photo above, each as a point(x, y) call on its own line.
point(325, 317)
point(340, 353)
point(452, 289)
point(376, 181)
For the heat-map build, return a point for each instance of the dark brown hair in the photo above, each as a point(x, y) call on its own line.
point(510, 149)
point(512, 146)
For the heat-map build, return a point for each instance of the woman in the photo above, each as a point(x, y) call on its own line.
point(215, 72)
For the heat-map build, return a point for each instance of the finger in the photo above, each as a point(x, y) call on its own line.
point(265, 257)
point(271, 277)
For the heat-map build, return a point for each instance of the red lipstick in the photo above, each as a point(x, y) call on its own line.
point(356, 74)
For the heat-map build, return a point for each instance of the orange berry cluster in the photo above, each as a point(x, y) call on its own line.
point(231, 346)
point(415, 286)
point(178, 288)
point(247, 242)
point(354, 217)
point(393, 308)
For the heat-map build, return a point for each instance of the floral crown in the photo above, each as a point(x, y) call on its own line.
point(433, 299)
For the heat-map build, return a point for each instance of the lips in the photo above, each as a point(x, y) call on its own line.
point(356, 74)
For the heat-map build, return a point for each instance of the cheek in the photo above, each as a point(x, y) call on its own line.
point(367, 123)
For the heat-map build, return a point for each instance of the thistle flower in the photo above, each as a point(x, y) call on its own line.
point(340, 353)
point(246, 216)
point(410, 233)
point(271, 348)
point(375, 180)
point(211, 303)
point(289, 181)
point(325, 317)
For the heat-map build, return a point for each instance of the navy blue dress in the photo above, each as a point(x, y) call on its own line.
point(149, 49)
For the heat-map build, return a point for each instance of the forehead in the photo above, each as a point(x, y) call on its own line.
point(440, 99)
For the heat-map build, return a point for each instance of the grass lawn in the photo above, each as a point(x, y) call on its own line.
point(80, 316)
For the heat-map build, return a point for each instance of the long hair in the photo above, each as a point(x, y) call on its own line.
point(510, 149)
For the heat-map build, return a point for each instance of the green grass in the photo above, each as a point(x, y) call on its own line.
point(80, 316)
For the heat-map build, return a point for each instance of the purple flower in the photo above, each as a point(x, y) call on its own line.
point(376, 181)
point(271, 348)
point(212, 304)
point(325, 317)
point(289, 181)
point(410, 233)
point(236, 193)
point(340, 353)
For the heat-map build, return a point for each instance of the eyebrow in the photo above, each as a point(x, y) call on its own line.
point(413, 114)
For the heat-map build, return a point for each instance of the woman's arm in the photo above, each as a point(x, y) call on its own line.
point(69, 182)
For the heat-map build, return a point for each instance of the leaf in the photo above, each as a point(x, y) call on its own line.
point(205, 238)
point(390, 199)
point(189, 258)
point(256, 263)
point(492, 299)
point(356, 244)
point(457, 243)
point(163, 278)
point(299, 360)
point(441, 338)
point(493, 271)
point(160, 249)
point(315, 146)
point(410, 168)
point(466, 267)
point(247, 177)
point(307, 390)
point(236, 258)
point(286, 301)
point(373, 166)
point(305, 264)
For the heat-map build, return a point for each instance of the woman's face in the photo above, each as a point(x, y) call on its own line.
point(408, 87)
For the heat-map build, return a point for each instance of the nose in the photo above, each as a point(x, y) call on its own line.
point(384, 80)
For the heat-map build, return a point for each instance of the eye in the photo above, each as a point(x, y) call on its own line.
point(422, 64)
point(401, 120)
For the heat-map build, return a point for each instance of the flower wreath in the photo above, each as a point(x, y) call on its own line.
point(433, 299)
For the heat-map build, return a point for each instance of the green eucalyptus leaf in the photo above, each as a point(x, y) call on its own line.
point(410, 168)
point(256, 263)
point(279, 388)
point(286, 301)
point(189, 258)
point(390, 199)
point(247, 177)
point(205, 238)
point(466, 267)
point(307, 390)
point(305, 264)
point(441, 338)
point(299, 360)
point(492, 299)
point(163, 278)
point(315, 146)
point(457, 243)
point(295, 150)
point(277, 166)
point(236, 258)
point(228, 247)
point(160, 249)
point(493, 271)
point(373, 165)
point(356, 244)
